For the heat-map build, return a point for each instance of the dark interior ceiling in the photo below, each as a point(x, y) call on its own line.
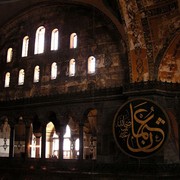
point(11, 8)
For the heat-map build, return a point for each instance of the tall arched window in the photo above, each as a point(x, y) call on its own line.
point(35, 140)
point(91, 65)
point(7, 79)
point(19, 137)
point(36, 74)
point(72, 67)
point(52, 141)
point(25, 46)
point(90, 135)
point(9, 55)
point(5, 138)
point(54, 70)
point(73, 40)
point(21, 77)
point(67, 143)
point(39, 41)
point(54, 39)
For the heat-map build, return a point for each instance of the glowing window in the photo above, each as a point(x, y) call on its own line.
point(21, 77)
point(68, 132)
point(54, 70)
point(52, 141)
point(39, 41)
point(72, 63)
point(77, 145)
point(91, 65)
point(73, 40)
point(36, 74)
point(25, 46)
point(54, 39)
point(5, 138)
point(9, 55)
point(7, 79)
point(67, 144)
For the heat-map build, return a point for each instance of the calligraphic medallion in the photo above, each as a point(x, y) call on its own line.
point(140, 128)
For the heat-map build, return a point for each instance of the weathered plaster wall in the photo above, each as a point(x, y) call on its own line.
point(97, 36)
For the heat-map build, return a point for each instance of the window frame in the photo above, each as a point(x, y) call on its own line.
point(9, 55)
point(54, 39)
point(21, 77)
point(39, 40)
point(72, 67)
point(73, 40)
point(54, 70)
point(91, 65)
point(25, 46)
point(36, 74)
point(7, 79)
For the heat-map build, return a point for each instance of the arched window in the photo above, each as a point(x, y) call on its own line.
point(36, 74)
point(67, 143)
point(7, 80)
point(21, 77)
point(19, 139)
point(39, 41)
point(35, 140)
point(25, 46)
point(5, 138)
point(52, 141)
point(54, 70)
point(90, 135)
point(54, 39)
point(73, 40)
point(91, 65)
point(9, 55)
point(72, 67)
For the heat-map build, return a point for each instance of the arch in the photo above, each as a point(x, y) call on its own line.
point(167, 63)
point(7, 79)
point(25, 46)
point(90, 134)
point(52, 141)
point(36, 74)
point(72, 67)
point(67, 143)
point(73, 41)
point(54, 70)
point(9, 55)
point(39, 40)
point(91, 65)
point(19, 140)
point(4, 137)
point(54, 39)
point(21, 77)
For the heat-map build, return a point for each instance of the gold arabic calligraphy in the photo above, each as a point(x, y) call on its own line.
point(137, 130)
